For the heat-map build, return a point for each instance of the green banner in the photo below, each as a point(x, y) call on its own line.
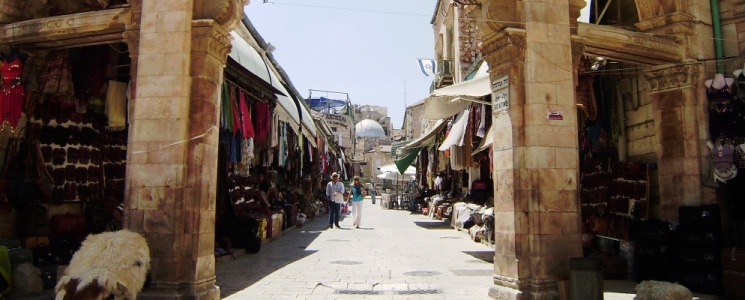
point(404, 163)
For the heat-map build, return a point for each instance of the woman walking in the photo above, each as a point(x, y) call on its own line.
point(357, 198)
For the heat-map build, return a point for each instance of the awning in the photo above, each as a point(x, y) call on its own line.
point(450, 100)
point(486, 142)
point(249, 59)
point(404, 163)
point(457, 131)
point(443, 107)
point(427, 138)
point(286, 110)
point(307, 119)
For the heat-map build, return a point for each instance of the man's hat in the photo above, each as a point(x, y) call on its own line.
point(334, 175)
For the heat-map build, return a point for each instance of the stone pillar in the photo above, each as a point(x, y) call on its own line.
point(674, 92)
point(535, 159)
point(172, 150)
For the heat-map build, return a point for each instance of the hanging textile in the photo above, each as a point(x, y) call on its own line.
point(116, 105)
point(226, 138)
point(261, 122)
point(235, 110)
point(481, 132)
point(90, 71)
point(12, 92)
point(227, 113)
point(247, 129)
point(247, 157)
point(282, 144)
point(56, 76)
point(274, 131)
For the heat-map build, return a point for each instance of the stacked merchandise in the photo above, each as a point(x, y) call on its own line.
point(698, 244)
point(733, 273)
point(652, 250)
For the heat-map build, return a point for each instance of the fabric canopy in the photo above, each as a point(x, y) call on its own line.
point(427, 138)
point(395, 176)
point(286, 111)
point(486, 142)
point(404, 163)
point(457, 131)
point(248, 57)
point(307, 120)
point(392, 168)
point(450, 100)
point(442, 107)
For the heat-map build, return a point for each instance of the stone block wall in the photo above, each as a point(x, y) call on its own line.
point(469, 41)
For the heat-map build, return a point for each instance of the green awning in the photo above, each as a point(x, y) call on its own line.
point(404, 163)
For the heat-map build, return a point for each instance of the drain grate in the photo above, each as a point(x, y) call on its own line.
point(422, 273)
point(420, 292)
point(346, 262)
point(358, 292)
point(451, 237)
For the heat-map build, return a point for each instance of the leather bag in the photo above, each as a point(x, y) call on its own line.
point(67, 224)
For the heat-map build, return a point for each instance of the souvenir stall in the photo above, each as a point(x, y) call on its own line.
point(619, 191)
point(252, 141)
point(64, 119)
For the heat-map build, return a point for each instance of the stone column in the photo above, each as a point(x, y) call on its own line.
point(535, 159)
point(674, 91)
point(172, 151)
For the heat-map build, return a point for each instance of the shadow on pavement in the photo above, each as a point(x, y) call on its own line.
point(434, 224)
point(487, 256)
point(246, 270)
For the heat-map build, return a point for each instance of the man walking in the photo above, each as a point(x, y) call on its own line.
point(335, 194)
point(373, 191)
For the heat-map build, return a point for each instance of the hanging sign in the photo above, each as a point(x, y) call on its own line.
point(500, 94)
point(555, 115)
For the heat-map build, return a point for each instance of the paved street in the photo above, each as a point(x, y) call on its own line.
point(395, 255)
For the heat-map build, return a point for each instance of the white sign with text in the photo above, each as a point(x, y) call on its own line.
point(500, 94)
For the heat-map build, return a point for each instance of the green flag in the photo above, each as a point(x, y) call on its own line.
point(404, 163)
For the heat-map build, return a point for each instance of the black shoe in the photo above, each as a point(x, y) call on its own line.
point(331, 226)
point(337, 226)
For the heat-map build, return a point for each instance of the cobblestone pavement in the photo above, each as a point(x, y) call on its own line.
point(395, 255)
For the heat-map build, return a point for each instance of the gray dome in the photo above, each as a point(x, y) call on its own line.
point(369, 128)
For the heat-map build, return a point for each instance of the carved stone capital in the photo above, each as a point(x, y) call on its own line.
point(131, 37)
point(209, 38)
point(227, 13)
point(578, 49)
point(507, 46)
point(663, 78)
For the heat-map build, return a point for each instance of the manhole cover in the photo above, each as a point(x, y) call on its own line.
point(420, 292)
point(337, 240)
point(422, 273)
point(451, 237)
point(346, 262)
point(473, 272)
point(358, 292)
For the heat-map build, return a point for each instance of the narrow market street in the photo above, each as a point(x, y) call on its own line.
point(395, 254)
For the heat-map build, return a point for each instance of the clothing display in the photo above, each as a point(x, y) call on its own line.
point(247, 127)
point(116, 105)
point(721, 121)
point(12, 92)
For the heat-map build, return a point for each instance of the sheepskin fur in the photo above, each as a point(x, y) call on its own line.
point(108, 263)
point(660, 290)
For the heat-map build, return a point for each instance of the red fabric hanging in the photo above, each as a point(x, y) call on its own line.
point(262, 121)
point(236, 117)
point(247, 128)
point(13, 92)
